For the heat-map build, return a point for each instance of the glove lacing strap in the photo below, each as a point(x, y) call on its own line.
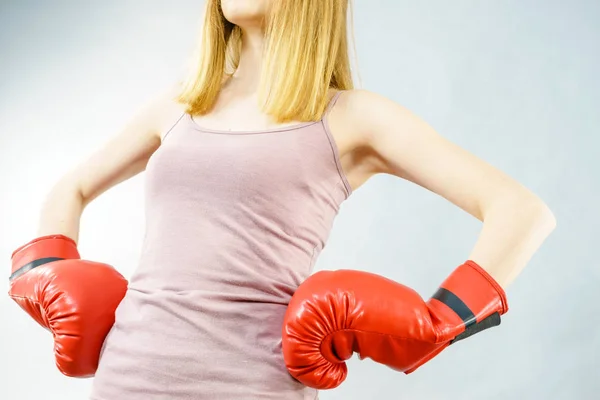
point(34, 264)
point(465, 314)
point(41, 251)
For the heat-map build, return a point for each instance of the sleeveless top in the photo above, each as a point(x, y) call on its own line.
point(234, 224)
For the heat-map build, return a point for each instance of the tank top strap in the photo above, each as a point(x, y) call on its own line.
point(332, 102)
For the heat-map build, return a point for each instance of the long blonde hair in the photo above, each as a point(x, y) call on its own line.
point(306, 54)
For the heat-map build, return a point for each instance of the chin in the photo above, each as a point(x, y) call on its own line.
point(245, 12)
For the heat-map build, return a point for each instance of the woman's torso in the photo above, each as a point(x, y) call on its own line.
point(235, 222)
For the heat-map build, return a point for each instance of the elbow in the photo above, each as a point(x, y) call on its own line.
point(546, 217)
point(524, 206)
point(67, 189)
point(541, 215)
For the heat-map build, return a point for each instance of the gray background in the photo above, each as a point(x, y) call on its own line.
point(515, 82)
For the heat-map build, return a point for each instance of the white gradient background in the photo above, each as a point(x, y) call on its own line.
point(515, 82)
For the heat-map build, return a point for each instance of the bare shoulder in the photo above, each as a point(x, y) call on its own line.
point(352, 123)
point(381, 122)
point(164, 110)
point(367, 111)
point(363, 116)
point(127, 153)
point(349, 114)
point(370, 127)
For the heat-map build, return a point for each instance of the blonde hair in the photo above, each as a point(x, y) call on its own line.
point(306, 54)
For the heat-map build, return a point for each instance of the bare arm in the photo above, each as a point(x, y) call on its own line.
point(515, 221)
point(123, 157)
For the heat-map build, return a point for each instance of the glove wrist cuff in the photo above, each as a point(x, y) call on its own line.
point(42, 250)
point(470, 278)
point(466, 298)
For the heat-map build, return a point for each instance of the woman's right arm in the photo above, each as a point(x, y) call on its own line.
point(123, 157)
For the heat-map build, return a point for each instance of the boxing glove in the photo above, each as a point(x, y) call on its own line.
point(74, 299)
point(336, 313)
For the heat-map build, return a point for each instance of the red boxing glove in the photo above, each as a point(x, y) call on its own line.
point(336, 313)
point(72, 298)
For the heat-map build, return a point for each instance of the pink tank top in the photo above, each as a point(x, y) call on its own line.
point(235, 222)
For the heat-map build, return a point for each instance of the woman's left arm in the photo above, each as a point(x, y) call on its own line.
point(515, 220)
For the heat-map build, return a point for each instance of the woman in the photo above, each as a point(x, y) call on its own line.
point(247, 164)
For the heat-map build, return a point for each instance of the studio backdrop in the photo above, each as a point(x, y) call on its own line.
point(514, 81)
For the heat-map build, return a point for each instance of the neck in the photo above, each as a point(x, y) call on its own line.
point(251, 58)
